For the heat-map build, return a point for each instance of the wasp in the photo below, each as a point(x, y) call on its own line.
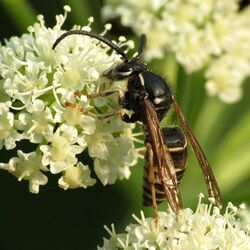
point(150, 97)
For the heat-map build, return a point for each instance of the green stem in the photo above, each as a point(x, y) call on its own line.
point(236, 138)
point(190, 94)
point(232, 154)
point(207, 122)
point(170, 68)
point(196, 97)
point(233, 170)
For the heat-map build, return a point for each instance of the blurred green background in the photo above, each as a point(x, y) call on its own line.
point(74, 219)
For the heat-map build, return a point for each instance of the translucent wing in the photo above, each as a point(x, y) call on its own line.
point(212, 186)
point(161, 155)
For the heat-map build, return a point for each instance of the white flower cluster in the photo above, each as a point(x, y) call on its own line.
point(39, 105)
point(211, 35)
point(206, 228)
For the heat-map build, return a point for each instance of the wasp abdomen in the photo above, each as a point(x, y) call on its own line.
point(177, 145)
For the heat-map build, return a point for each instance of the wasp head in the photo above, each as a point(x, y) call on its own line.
point(124, 70)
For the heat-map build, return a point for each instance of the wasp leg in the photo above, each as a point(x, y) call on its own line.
point(152, 181)
point(123, 98)
point(123, 101)
point(102, 93)
point(119, 112)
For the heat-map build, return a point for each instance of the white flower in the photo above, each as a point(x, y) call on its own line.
point(190, 50)
point(113, 155)
point(206, 228)
point(76, 176)
point(8, 135)
point(74, 117)
point(118, 163)
point(27, 167)
point(199, 33)
point(61, 154)
point(37, 122)
point(224, 78)
point(44, 100)
point(244, 214)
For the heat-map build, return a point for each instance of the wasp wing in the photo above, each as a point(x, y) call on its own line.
point(161, 155)
point(212, 186)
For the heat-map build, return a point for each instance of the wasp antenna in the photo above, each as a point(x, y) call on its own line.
point(91, 34)
point(142, 45)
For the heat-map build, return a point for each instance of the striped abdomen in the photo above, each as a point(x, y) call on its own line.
point(177, 144)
